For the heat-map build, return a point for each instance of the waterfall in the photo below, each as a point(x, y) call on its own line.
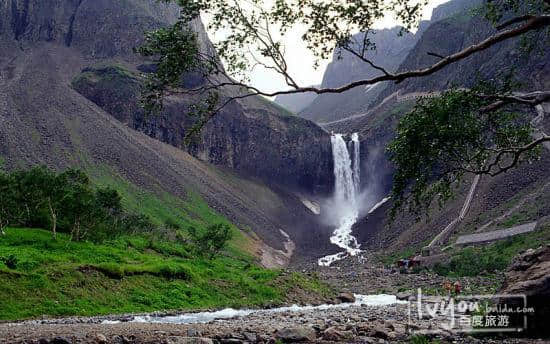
point(356, 159)
point(346, 192)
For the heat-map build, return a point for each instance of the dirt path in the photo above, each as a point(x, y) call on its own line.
point(442, 237)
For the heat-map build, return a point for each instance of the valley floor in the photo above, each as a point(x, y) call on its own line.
point(364, 324)
point(356, 324)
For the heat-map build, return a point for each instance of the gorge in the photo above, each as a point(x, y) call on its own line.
point(270, 224)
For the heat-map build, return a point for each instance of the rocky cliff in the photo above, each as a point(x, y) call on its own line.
point(460, 31)
point(251, 136)
point(391, 50)
point(529, 275)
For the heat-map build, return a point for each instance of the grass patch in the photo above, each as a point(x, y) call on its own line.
point(65, 278)
point(474, 261)
point(391, 258)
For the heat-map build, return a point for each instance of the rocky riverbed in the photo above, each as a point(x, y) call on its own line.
point(355, 324)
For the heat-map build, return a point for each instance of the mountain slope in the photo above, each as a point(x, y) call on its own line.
point(46, 44)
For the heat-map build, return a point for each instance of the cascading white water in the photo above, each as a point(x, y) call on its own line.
point(346, 191)
point(229, 313)
point(356, 166)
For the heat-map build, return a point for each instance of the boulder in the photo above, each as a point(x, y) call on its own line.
point(404, 295)
point(101, 339)
point(251, 337)
point(346, 297)
point(193, 333)
point(334, 335)
point(529, 275)
point(381, 332)
point(296, 334)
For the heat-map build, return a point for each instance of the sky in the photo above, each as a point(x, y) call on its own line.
point(301, 60)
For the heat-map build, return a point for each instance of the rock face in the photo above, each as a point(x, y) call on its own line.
point(345, 68)
point(529, 275)
point(288, 151)
point(98, 28)
point(251, 136)
point(392, 50)
point(452, 30)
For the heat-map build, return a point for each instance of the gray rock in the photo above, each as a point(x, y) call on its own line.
point(382, 333)
point(189, 340)
point(101, 339)
point(193, 333)
point(60, 340)
point(296, 334)
point(251, 337)
point(231, 341)
point(529, 275)
point(404, 295)
point(346, 297)
point(333, 334)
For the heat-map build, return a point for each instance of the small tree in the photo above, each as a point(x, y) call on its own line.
point(38, 191)
point(212, 241)
point(79, 202)
point(109, 200)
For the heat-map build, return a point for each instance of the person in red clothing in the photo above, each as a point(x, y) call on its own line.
point(458, 287)
point(448, 287)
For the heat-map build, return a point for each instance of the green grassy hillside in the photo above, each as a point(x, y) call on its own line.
point(139, 270)
point(162, 207)
point(128, 274)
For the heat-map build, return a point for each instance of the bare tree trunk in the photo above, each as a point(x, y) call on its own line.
point(2, 224)
point(28, 213)
point(54, 219)
point(75, 233)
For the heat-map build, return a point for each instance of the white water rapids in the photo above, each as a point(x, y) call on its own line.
point(229, 313)
point(346, 192)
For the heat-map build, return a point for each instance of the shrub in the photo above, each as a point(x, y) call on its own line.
point(170, 223)
point(10, 261)
point(166, 270)
point(212, 241)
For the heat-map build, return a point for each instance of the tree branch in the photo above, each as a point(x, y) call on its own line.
point(533, 99)
point(534, 23)
point(436, 55)
point(503, 153)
